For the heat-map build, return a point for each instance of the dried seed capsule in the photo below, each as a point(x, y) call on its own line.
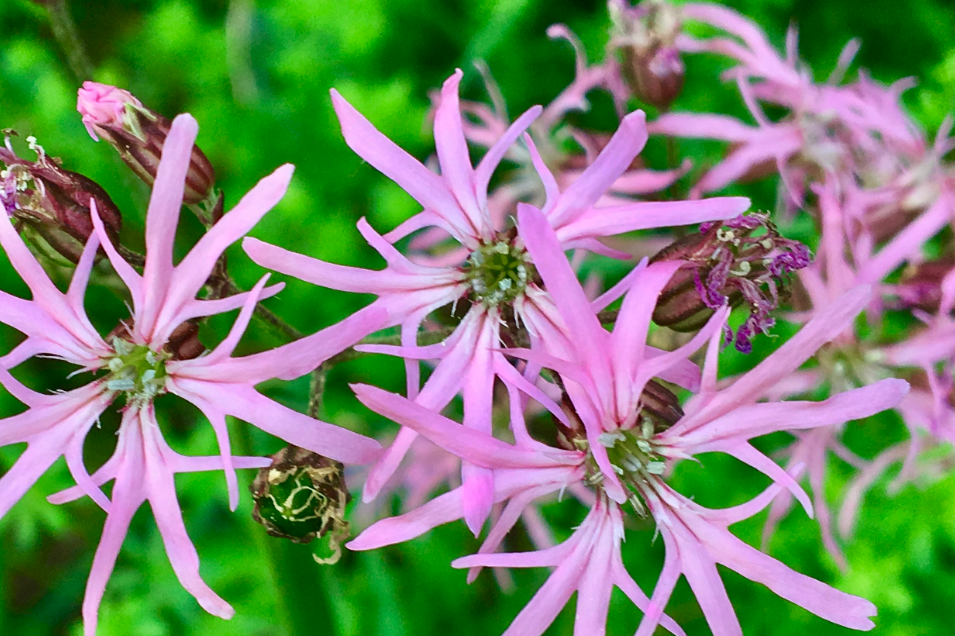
point(302, 496)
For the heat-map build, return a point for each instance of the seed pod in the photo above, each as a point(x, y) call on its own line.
point(302, 496)
point(52, 201)
point(138, 134)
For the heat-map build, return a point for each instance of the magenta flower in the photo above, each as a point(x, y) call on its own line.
point(154, 352)
point(490, 268)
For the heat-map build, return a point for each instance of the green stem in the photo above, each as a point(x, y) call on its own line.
point(268, 547)
point(64, 30)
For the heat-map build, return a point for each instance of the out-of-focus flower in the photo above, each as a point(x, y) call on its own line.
point(646, 36)
point(52, 201)
point(139, 134)
point(136, 363)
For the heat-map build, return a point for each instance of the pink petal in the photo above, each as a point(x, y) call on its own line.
point(163, 216)
point(492, 158)
point(613, 161)
point(608, 221)
point(817, 597)
point(754, 420)
point(438, 511)
point(191, 274)
point(288, 361)
point(827, 324)
point(453, 155)
point(243, 402)
point(470, 445)
point(179, 548)
point(424, 186)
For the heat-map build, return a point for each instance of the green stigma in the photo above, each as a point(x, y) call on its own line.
point(136, 370)
point(498, 273)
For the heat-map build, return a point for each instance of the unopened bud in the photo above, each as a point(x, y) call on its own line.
point(138, 134)
point(645, 35)
point(302, 496)
point(53, 202)
point(659, 406)
point(183, 342)
point(742, 260)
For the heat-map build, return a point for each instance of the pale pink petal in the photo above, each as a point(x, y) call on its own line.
point(453, 155)
point(468, 444)
point(597, 222)
point(817, 597)
point(440, 510)
point(747, 422)
point(243, 402)
point(551, 189)
point(424, 186)
point(827, 324)
point(180, 550)
point(613, 161)
point(288, 361)
point(129, 276)
point(387, 464)
point(191, 274)
point(163, 216)
point(492, 158)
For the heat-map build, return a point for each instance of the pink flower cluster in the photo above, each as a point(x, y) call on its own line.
point(572, 394)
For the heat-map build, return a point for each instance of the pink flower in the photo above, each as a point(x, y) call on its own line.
point(490, 268)
point(620, 430)
point(102, 104)
point(142, 361)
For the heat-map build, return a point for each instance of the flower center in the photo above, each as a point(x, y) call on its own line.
point(634, 458)
point(497, 272)
point(137, 371)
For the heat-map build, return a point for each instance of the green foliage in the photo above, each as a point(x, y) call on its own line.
point(256, 75)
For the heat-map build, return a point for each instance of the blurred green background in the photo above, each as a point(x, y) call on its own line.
point(256, 75)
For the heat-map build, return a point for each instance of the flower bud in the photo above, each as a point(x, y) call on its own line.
point(138, 134)
point(742, 260)
point(301, 496)
point(53, 202)
point(645, 35)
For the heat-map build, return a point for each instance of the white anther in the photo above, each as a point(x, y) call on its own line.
point(609, 439)
point(121, 384)
point(656, 468)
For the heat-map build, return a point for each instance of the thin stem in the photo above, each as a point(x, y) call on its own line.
point(64, 30)
point(268, 548)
